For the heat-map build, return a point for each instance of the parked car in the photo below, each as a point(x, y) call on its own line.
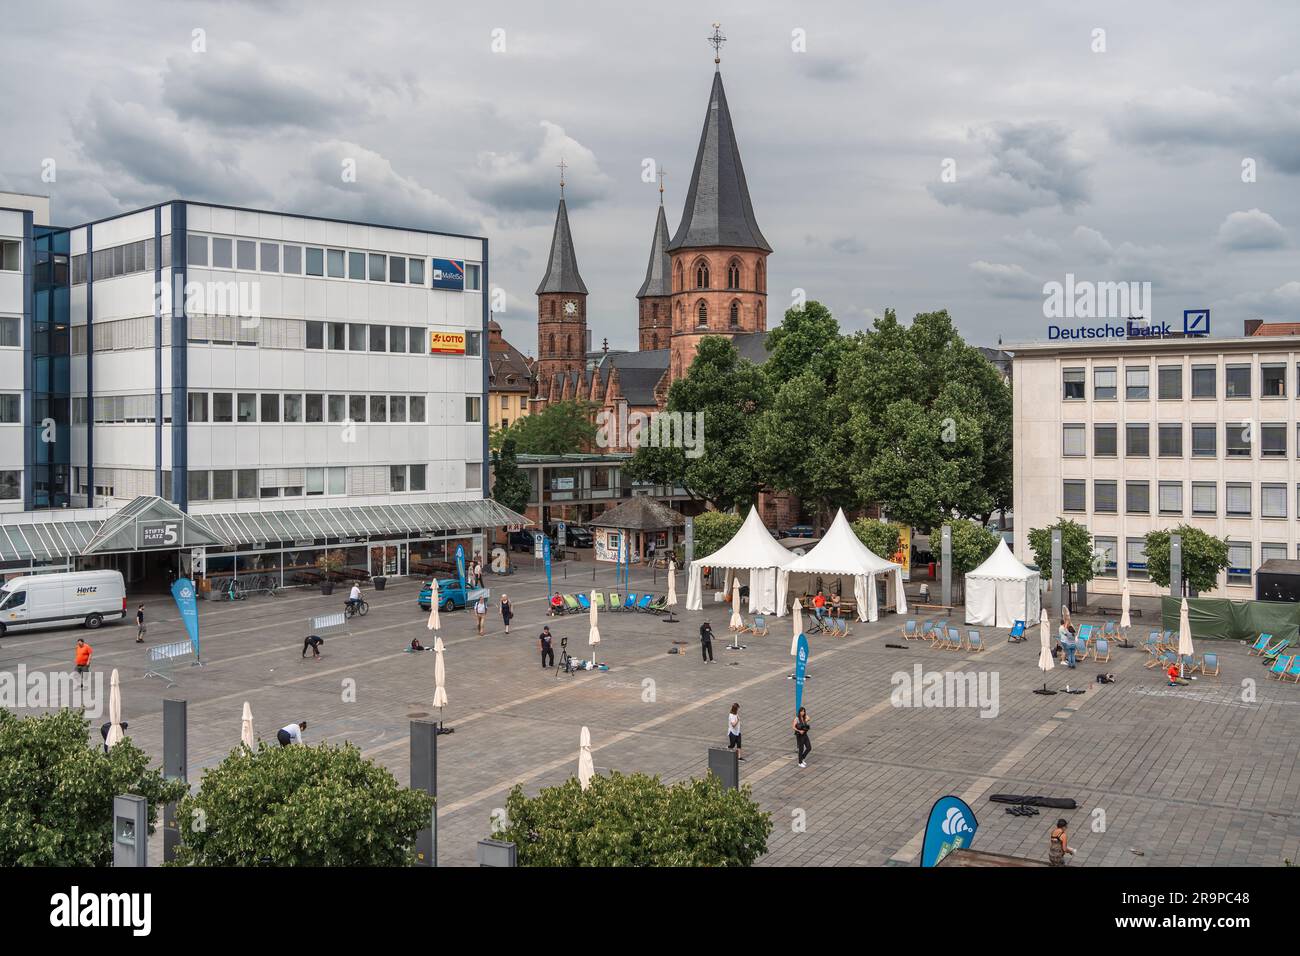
point(579, 537)
point(523, 541)
point(451, 596)
point(800, 531)
point(41, 601)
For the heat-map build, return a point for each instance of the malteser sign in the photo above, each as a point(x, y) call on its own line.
point(446, 343)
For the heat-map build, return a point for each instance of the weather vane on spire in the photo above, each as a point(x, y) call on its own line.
point(662, 173)
point(562, 166)
point(716, 41)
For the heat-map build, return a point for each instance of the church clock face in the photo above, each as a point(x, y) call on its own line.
point(570, 307)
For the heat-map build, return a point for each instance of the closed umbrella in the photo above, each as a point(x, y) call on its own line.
point(593, 636)
point(1124, 622)
point(672, 589)
point(737, 622)
point(1045, 660)
point(434, 624)
point(246, 728)
point(115, 711)
point(1185, 649)
point(796, 617)
point(439, 678)
point(585, 768)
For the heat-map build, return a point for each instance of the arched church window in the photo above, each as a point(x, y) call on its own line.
point(702, 314)
point(701, 274)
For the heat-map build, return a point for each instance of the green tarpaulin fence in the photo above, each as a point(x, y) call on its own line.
point(1222, 619)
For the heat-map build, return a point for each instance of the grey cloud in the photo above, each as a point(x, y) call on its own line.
point(1279, 304)
point(1026, 166)
point(1006, 280)
point(528, 181)
point(1253, 229)
point(1031, 244)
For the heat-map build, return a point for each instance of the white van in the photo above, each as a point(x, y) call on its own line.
point(40, 601)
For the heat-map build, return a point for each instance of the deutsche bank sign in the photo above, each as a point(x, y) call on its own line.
point(1196, 324)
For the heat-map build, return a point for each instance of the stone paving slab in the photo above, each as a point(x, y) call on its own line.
point(1188, 776)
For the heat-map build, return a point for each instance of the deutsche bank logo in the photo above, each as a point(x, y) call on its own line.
point(1196, 321)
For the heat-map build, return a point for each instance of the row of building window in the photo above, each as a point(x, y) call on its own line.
point(11, 485)
point(139, 409)
point(1239, 440)
point(1237, 381)
point(125, 259)
point(1204, 502)
point(11, 408)
point(250, 483)
point(1240, 558)
point(704, 279)
point(311, 408)
point(361, 337)
point(250, 255)
point(11, 332)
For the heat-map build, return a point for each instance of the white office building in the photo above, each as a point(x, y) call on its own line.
point(1130, 436)
point(274, 386)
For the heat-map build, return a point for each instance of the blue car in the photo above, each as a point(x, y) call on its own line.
point(450, 595)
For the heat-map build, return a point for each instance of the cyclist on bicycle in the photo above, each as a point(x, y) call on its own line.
point(354, 598)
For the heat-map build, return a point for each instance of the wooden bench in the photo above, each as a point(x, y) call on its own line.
point(946, 608)
point(1116, 611)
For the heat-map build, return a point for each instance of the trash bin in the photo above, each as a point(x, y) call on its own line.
point(379, 583)
point(933, 565)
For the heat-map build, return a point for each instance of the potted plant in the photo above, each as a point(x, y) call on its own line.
point(378, 564)
point(329, 563)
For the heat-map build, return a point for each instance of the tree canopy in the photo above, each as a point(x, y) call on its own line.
point(1204, 556)
point(559, 428)
point(1077, 563)
point(510, 486)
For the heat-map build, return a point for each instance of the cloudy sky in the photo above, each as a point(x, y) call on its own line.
point(1114, 155)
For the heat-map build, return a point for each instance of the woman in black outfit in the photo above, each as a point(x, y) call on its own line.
point(801, 728)
point(507, 612)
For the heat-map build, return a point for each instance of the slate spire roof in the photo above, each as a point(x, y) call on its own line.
point(562, 263)
point(718, 210)
point(658, 274)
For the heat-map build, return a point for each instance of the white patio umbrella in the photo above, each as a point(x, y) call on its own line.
point(1045, 660)
point(114, 710)
point(796, 616)
point(585, 767)
point(246, 728)
point(1124, 622)
point(737, 622)
point(439, 678)
point(672, 587)
point(1185, 649)
point(593, 637)
point(434, 624)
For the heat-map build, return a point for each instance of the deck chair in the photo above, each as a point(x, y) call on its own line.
point(953, 640)
point(1208, 665)
point(584, 602)
point(1085, 633)
point(1280, 665)
point(644, 603)
point(600, 600)
point(1260, 645)
point(760, 625)
point(1157, 658)
point(659, 604)
point(909, 630)
point(1017, 632)
point(1293, 671)
point(975, 641)
point(615, 601)
point(1109, 630)
point(839, 627)
point(1169, 640)
point(571, 605)
point(1081, 648)
point(1101, 650)
point(1277, 648)
point(629, 603)
point(932, 632)
point(1152, 642)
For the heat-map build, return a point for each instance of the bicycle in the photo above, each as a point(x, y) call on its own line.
point(352, 610)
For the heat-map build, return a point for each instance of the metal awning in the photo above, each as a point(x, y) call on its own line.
point(45, 540)
point(148, 522)
point(255, 527)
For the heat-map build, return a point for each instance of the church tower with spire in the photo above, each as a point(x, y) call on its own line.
point(561, 309)
point(718, 256)
point(655, 297)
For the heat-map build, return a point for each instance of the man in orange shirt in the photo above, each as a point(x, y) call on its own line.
point(819, 605)
point(1174, 678)
point(84, 651)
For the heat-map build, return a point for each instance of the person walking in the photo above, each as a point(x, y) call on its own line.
point(733, 731)
point(82, 658)
point(139, 624)
point(507, 612)
point(801, 728)
point(291, 734)
point(480, 612)
point(544, 642)
point(706, 642)
point(314, 642)
point(1057, 844)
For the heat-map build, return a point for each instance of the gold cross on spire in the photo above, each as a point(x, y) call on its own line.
point(562, 166)
point(716, 41)
point(662, 173)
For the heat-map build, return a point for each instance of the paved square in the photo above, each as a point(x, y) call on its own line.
point(1186, 776)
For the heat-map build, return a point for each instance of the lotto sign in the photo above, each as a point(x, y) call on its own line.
point(446, 343)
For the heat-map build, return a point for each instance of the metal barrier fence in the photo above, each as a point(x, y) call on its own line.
point(327, 625)
point(162, 659)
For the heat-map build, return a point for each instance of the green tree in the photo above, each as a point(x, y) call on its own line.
point(882, 537)
point(730, 393)
point(300, 806)
point(971, 545)
point(635, 820)
point(56, 791)
point(511, 486)
point(1204, 556)
point(560, 428)
point(807, 340)
point(713, 529)
point(1077, 563)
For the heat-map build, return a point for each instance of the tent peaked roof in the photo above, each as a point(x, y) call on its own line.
point(840, 551)
point(751, 547)
point(1002, 565)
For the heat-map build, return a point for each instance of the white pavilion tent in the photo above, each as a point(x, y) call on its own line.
point(1002, 591)
point(841, 554)
point(751, 549)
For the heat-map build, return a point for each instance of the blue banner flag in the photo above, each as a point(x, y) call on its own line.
point(952, 826)
point(546, 556)
point(800, 668)
point(183, 592)
point(460, 564)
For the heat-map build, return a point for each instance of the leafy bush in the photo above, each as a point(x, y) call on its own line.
point(301, 806)
point(636, 820)
point(1204, 556)
point(713, 529)
point(56, 790)
point(880, 536)
point(1077, 563)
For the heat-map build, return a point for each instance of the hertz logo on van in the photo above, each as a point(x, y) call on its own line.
point(91, 589)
